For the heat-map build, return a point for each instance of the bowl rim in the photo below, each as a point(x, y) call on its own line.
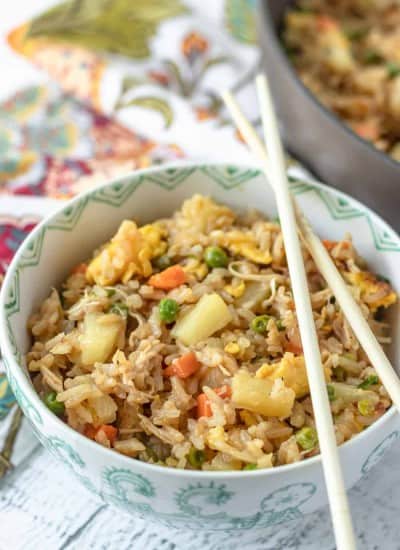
point(197, 475)
point(273, 36)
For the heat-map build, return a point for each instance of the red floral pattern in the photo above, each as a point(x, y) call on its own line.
point(71, 148)
point(12, 232)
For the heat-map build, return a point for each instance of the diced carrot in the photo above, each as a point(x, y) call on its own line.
point(326, 23)
point(203, 406)
point(169, 278)
point(203, 403)
point(90, 431)
point(110, 431)
point(184, 366)
point(329, 245)
point(294, 348)
point(367, 130)
point(80, 268)
point(223, 391)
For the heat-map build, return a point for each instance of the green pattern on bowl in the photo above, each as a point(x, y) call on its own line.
point(222, 501)
point(201, 505)
point(379, 451)
point(29, 409)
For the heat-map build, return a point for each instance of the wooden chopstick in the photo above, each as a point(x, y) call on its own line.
point(341, 517)
point(274, 168)
point(351, 310)
point(329, 271)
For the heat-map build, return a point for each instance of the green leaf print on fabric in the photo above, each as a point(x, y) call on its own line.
point(240, 19)
point(122, 26)
point(155, 104)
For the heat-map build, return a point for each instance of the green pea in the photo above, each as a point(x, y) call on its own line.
point(331, 392)
point(393, 69)
point(162, 262)
point(259, 323)
point(371, 380)
point(56, 407)
point(196, 457)
point(279, 325)
point(110, 292)
point(119, 309)
point(372, 57)
point(365, 407)
point(151, 454)
point(307, 438)
point(214, 256)
point(168, 310)
point(356, 34)
point(250, 467)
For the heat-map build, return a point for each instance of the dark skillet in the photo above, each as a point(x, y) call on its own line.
point(317, 137)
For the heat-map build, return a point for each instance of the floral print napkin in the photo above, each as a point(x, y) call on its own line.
point(156, 66)
point(134, 85)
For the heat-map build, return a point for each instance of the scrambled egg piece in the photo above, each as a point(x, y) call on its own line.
point(236, 290)
point(197, 267)
point(243, 243)
point(203, 214)
point(233, 348)
point(292, 370)
point(128, 253)
point(373, 292)
point(252, 253)
point(153, 233)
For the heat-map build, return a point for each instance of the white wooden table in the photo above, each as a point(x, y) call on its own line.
point(43, 507)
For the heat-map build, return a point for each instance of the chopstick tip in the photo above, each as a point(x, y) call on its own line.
point(226, 95)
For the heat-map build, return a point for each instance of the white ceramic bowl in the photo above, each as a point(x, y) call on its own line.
point(185, 499)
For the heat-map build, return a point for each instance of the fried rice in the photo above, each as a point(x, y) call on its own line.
point(178, 344)
point(347, 52)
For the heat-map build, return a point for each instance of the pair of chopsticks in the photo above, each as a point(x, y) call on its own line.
point(292, 221)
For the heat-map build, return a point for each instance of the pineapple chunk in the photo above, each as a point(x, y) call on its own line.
point(101, 332)
point(260, 395)
point(209, 315)
point(292, 370)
